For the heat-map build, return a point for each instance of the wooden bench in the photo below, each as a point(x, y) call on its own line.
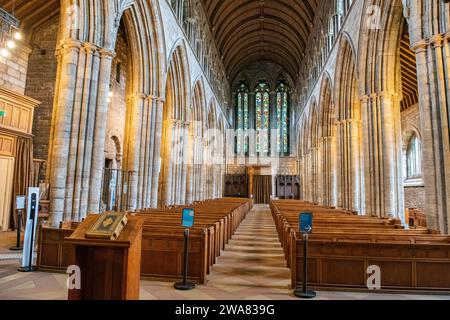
point(341, 251)
point(163, 239)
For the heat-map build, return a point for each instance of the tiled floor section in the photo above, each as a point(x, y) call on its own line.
point(252, 268)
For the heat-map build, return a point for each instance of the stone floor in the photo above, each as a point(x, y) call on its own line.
point(251, 268)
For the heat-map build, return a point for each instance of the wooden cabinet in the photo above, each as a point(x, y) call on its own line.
point(287, 187)
point(6, 172)
point(236, 186)
point(17, 121)
point(110, 269)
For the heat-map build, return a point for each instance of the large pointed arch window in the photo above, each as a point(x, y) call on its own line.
point(242, 119)
point(282, 126)
point(262, 108)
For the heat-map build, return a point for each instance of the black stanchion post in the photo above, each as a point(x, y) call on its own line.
point(18, 247)
point(305, 293)
point(305, 228)
point(185, 285)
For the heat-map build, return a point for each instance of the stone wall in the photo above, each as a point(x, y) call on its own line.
point(40, 84)
point(283, 166)
point(13, 69)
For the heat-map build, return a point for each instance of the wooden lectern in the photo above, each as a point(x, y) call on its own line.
point(110, 270)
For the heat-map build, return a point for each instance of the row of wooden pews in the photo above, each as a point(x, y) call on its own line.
point(163, 239)
point(343, 245)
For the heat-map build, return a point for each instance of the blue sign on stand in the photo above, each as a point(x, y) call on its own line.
point(306, 222)
point(188, 218)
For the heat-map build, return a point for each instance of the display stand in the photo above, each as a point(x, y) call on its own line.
point(305, 293)
point(18, 246)
point(109, 269)
point(187, 222)
point(185, 285)
point(305, 223)
point(30, 231)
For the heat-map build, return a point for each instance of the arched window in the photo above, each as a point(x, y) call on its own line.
point(414, 158)
point(283, 101)
point(242, 119)
point(262, 108)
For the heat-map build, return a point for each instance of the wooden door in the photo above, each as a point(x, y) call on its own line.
point(6, 171)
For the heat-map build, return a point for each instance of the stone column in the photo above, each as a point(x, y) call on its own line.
point(78, 122)
point(190, 167)
point(133, 142)
point(433, 74)
point(67, 56)
point(168, 176)
point(98, 154)
point(156, 161)
point(383, 161)
point(185, 165)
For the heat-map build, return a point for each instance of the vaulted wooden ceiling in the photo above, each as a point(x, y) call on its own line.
point(252, 30)
point(32, 13)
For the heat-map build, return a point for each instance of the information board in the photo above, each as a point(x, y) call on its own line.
point(306, 222)
point(188, 218)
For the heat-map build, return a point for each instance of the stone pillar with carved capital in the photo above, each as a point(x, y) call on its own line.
point(383, 160)
point(79, 119)
point(433, 74)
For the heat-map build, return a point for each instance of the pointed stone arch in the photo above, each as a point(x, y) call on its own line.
point(87, 39)
point(380, 92)
point(172, 184)
point(348, 130)
point(327, 144)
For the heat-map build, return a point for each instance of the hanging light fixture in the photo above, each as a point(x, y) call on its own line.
point(18, 35)
point(4, 52)
point(9, 32)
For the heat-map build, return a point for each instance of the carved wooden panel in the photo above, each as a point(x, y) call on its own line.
point(19, 111)
point(7, 145)
point(288, 187)
point(236, 186)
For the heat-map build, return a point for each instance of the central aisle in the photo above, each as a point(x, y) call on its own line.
point(253, 264)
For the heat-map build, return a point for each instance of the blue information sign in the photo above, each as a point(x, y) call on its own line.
point(188, 218)
point(306, 222)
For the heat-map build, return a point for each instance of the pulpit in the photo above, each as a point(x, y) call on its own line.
point(109, 269)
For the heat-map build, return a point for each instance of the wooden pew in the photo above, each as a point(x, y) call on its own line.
point(163, 239)
point(341, 251)
point(53, 253)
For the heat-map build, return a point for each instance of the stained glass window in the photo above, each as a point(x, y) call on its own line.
point(262, 117)
point(242, 119)
point(283, 118)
